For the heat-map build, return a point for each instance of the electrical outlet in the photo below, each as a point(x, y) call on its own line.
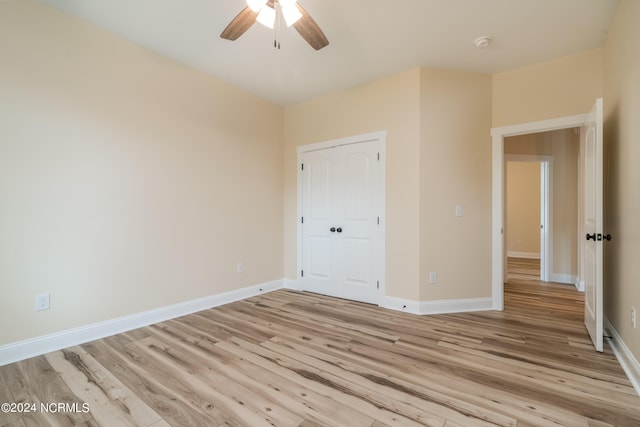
point(42, 302)
point(633, 317)
point(240, 268)
point(433, 277)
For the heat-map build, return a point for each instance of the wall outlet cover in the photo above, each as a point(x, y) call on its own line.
point(42, 302)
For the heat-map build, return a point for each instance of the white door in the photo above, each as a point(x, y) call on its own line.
point(591, 143)
point(340, 221)
point(545, 229)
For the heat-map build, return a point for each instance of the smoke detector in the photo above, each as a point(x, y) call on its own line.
point(482, 42)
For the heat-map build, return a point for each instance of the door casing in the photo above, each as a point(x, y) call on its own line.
point(497, 227)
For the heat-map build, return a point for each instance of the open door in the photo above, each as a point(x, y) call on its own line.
point(591, 147)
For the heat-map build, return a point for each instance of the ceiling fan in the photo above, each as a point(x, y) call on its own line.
point(268, 12)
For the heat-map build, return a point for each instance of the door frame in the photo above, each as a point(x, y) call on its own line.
point(380, 238)
point(498, 135)
point(546, 208)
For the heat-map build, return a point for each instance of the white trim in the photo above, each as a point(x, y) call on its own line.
point(37, 346)
point(373, 136)
point(546, 218)
point(497, 192)
point(465, 305)
point(498, 264)
point(569, 279)
point(381, 137)
point(629, 363)
point(541, 126)
point(528, 255)
point(401, 304)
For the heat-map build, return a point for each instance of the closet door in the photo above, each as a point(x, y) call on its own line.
point(339, 192)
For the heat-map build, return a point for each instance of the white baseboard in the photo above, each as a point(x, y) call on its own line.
point(21, 350)
point(629, 363)
point(422, 307)
point(563, 278)
point(400, 304)
point(530, 255)
point(465, 305)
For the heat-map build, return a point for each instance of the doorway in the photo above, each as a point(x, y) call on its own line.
point(499, 259)
point(590, 214)
point(528, 220)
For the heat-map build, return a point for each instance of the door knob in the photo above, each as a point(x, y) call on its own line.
point(591, 236)
point(607, 237)
point(339, 229)
point(332, 229)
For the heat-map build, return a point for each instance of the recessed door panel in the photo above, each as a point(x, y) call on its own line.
point(358, 261)
point(318, 188)
point(358, 186)
point(320, 249)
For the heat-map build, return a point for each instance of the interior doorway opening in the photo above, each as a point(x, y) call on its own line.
point(528, 220)
point(508, 141)
point(589, 259)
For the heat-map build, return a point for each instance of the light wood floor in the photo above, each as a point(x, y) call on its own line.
point(526, 269)
point(298, 359)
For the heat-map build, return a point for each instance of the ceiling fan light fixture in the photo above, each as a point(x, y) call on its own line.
point(291, 13)
point(267, 16)
point(256, 5)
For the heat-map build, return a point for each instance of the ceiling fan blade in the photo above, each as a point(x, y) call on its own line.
point(240, 24)
point(310, 31)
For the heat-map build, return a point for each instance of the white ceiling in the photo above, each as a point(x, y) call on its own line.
point(369, 39)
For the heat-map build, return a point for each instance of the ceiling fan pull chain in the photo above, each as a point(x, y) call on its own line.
point(276, 27)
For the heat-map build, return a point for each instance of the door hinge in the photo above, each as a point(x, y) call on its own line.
point(302, 166)
point(302, 220)
point(378, 156)
point(301, 273)
point(378, 220)
point(378, 284)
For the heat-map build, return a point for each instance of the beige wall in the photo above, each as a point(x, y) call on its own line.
point(127, 181)
point(432, 164)
point(562, 87)
point(622, 174)
point(390, 104)
point(455, 169)
point(564, 147)
point(523, 208)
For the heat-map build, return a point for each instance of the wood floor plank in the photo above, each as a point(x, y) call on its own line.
point(277, 363)
point(35, 382)
point(286, 393)
point(439, 404)
point(111, 402)
point(174, 401)
point(234, 399)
